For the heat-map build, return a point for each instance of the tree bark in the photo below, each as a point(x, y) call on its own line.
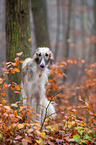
point(68, 35)
point(17, 33)
point(40, 22)
point(95, 26)
point(2, 35)
point(58, 30)
point(68, 29)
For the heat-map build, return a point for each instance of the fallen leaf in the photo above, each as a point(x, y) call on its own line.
point(14, 105)
point(1, 80)
point(40, 142)
point(94, 121)
point(9, 127)
point(5, 85)
point(40, 75)
point(68, 40)
point(43, 134)
point(38, 132)
point(30, 130)
point(3, 93)
point(14, 125)
point(12, 70)
point(30, 39)
point(48, 127)
point(55, 127)
point(4, 102)
point(7, 107)
point(26, 140)
point(19, 54)
point(12, 86)
point(8, 63)
point(21, 61)
point(82, 61)
point(17, 92)
point(14, 64)
point(12, 117)
point(87, 105)
point(1, 135)
point(17, 87)
point(59, 71)
point(17, 60)
point(17, 69)
point(18, 137)
point(50, 143)
point(20, 126)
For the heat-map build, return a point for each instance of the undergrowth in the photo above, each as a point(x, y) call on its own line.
point(75, 106)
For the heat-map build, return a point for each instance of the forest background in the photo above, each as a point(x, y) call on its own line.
point(68, 27)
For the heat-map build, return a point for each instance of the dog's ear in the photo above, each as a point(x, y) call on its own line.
point(35, 56)
point(36, 53)
point(51, 57)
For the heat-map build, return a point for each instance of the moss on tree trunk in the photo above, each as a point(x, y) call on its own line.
point(17, 33)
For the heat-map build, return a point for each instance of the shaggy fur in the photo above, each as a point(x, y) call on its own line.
point(34, 77)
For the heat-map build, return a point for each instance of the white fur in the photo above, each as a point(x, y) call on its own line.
point(33, 88)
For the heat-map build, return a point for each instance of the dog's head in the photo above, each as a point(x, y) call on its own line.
point(43, 56)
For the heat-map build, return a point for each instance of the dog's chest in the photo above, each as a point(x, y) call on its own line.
point(37, 83)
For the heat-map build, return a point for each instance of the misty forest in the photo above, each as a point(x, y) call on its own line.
point(68, 28)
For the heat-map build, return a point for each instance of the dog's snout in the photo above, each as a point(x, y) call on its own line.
point(42, 65)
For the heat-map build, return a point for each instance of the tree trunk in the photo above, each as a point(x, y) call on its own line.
point(68, 29)
point(68, 34)
point(94, 28)
point(2, 35)
point(17, 34)
point(40, 22)
point(58, 30)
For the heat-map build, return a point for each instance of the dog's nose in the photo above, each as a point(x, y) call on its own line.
point(42, 65)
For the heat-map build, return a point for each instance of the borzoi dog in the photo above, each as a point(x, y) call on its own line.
point(34, 77)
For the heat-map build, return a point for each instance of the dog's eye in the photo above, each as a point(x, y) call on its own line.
point(46, 54)
point(39, 54)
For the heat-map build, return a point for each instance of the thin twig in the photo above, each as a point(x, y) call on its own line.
point(48, 106)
